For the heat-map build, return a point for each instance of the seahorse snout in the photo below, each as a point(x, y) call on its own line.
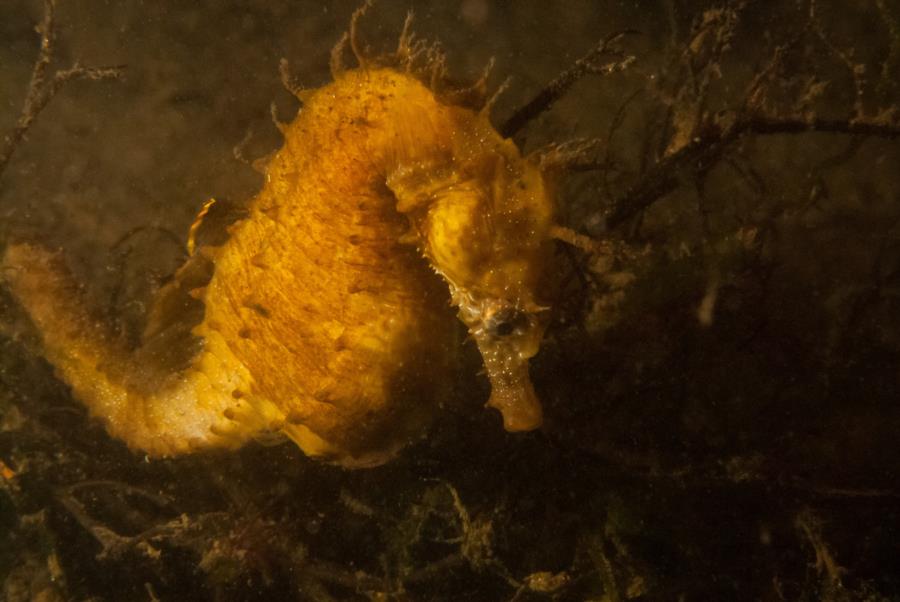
point(513, 395)
point(507, 338)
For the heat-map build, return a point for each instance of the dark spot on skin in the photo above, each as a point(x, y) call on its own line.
point(237, 394)
point(258, 261)
point(259, 309)
point(244, 333)
point(354, 239)
point(295, 417)
point(504, 328)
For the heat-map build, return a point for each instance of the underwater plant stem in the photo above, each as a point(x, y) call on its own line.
point(553, 91)
point(41, 90)
point(704, 151)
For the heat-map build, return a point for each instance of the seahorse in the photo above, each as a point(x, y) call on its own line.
point(325, 314)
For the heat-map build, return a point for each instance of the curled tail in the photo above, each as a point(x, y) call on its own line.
point(141, 401)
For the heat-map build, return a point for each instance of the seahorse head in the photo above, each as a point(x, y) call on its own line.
point(486, 230)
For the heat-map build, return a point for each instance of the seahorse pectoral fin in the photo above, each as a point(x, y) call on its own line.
point(197, 223)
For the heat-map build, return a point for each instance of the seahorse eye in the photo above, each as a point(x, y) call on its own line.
point(505, 322)
point(504, 328)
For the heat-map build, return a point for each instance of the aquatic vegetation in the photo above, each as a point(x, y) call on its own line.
point(717, 375)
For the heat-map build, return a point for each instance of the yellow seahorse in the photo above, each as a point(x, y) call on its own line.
point(326, 313)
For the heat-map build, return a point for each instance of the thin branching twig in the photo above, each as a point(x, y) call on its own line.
point(703, 151)
point(557, 88)
point(43, 87)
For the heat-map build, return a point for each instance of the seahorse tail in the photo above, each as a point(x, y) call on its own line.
point(160, 415)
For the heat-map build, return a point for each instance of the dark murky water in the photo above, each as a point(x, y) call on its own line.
point(720, 392)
